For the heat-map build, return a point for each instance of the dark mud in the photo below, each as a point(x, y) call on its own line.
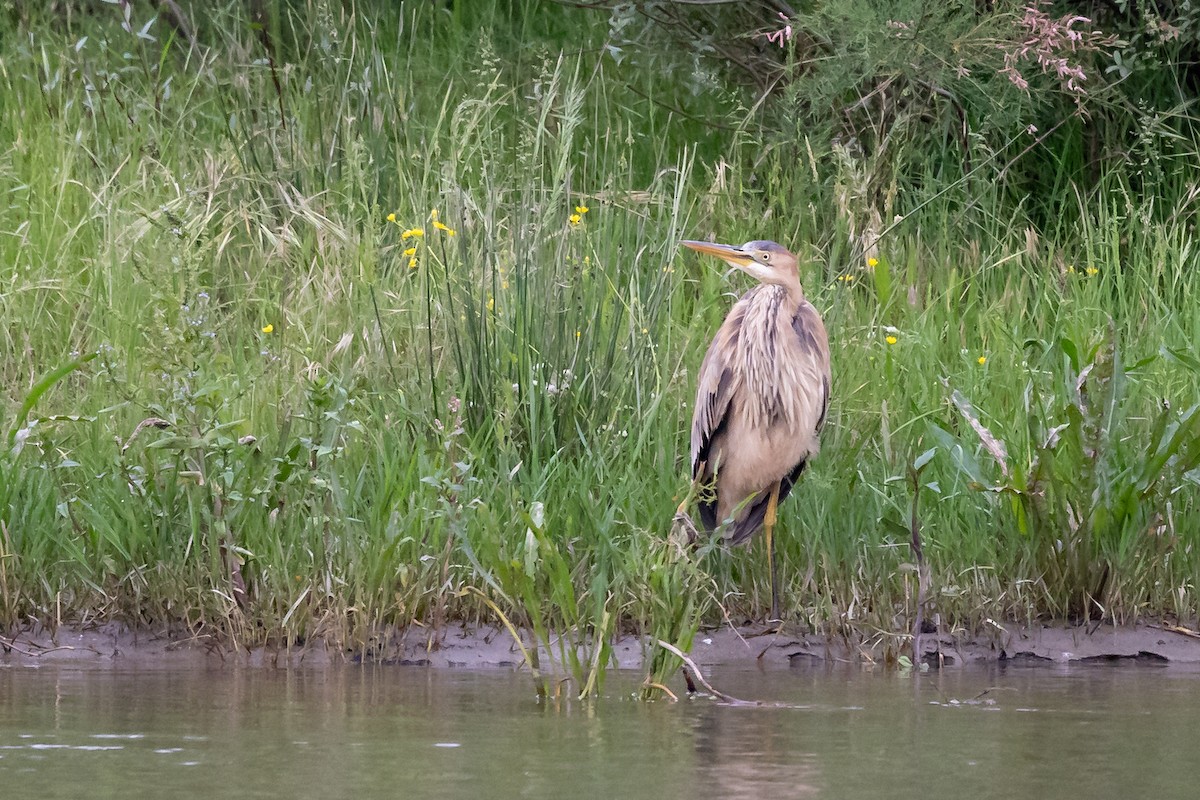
point(453, 646)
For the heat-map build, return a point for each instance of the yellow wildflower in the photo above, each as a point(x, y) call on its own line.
point(491, 304)
point(411, 232)
point(581, 210)
point(578, 334)
point(982, 360)
point(268, 328)
point(891, 340)
point(1092, 271)
point(846, 278)
point(441, 227)
point(392, 217)
point(1071, 268)
point(872, 262)
point(411, 251)
point(412, 263)
point(575, 219)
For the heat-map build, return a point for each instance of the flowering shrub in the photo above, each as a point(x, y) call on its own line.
point(1055, 45)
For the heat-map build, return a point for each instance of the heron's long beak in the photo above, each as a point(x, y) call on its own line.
point(727, 253)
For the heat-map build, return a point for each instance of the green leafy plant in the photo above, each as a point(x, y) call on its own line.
point(1085, 496)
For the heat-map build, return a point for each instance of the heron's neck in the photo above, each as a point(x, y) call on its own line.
point(768, 301)
point(767, 315)
point(788, 293)
point(789, 287)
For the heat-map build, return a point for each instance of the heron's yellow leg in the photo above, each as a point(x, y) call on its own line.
point(769, 520)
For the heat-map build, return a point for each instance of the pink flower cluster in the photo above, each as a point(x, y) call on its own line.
point(782, 35)
point(1051, 42)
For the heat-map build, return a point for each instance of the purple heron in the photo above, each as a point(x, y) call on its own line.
point(761, 399)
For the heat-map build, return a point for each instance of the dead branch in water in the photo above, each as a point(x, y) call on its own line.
point(695, 673)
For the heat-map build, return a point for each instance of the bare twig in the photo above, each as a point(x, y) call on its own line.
point(1182, 631)
point(260, 17)
point(11, 644)
point(695, 672)
point(674, 109)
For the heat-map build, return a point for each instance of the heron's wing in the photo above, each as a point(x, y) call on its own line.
point(812, 349)
point(712, 409)
point(714, 398)
point(714, 394)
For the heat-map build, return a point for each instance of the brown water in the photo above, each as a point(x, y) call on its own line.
point(1093, 732)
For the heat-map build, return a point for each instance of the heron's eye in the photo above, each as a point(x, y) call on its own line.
point(766, 257)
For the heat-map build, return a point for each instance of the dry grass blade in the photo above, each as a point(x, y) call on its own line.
point(149, 422)
point(994, 446)
point(516, 637)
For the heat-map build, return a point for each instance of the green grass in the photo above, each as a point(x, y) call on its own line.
point(501, 428)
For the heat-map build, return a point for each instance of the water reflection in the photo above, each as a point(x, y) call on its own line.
point(752, 753)
point(416, 732)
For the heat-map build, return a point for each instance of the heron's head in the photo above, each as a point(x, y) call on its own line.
point(769, 262)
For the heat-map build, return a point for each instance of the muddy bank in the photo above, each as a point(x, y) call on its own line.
point(115, 646)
